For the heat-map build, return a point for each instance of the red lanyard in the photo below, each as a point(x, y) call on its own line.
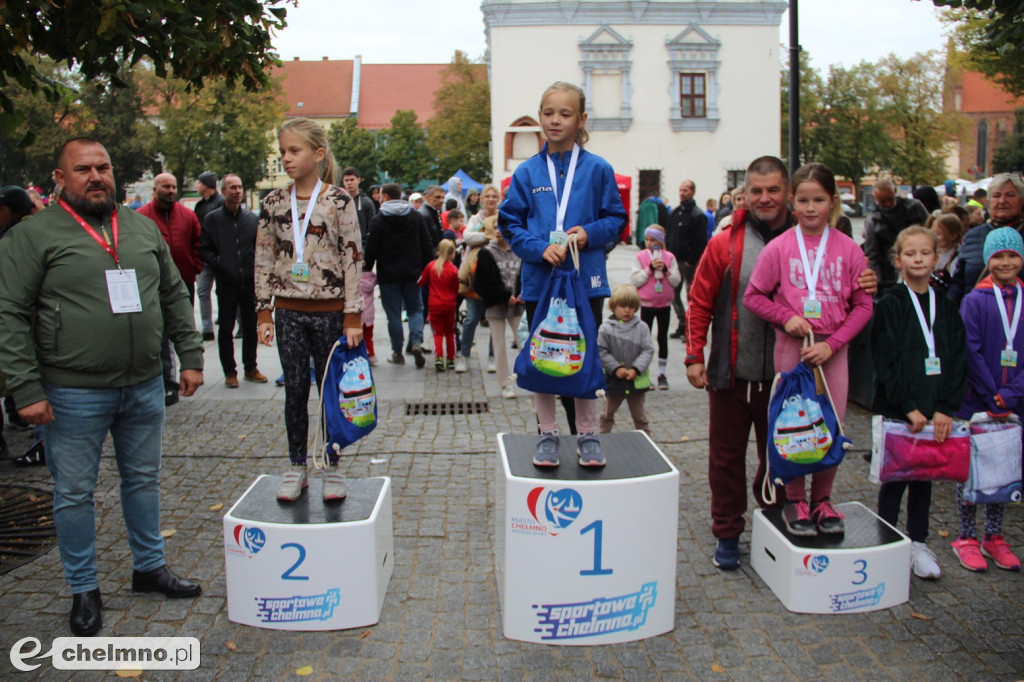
point(92, 232)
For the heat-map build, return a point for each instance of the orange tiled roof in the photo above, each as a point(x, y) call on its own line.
point(980, 95)
point(386, 88)
point(324, 88)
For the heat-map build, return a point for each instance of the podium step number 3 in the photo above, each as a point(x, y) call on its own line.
point(586, 556)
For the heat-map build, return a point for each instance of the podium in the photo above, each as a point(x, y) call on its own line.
point(309, 564)
point(586, 556)
point(867, 568)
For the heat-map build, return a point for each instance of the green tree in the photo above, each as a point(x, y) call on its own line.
point(221, 127)
point(29, 159)
point(911, 91)
point(849, 127)
point(196, 40)
point(1009, 156)
point(459, 134)
point(403, 149)
point(355, 146)
point(990, 37)
point(114, 116)
point(810, 104)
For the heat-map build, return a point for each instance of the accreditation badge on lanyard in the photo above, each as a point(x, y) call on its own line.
point(558, 235)
point(932, 366)
point(812, 306)
point(1008, 357)
point(122, 285)
point(300, 270)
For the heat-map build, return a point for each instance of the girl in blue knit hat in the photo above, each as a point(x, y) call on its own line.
point(995, 378)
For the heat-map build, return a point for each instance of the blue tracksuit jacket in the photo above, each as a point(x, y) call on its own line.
point(527, 216)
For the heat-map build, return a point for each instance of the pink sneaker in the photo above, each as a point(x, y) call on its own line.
point(967, 551)
point(996, 549)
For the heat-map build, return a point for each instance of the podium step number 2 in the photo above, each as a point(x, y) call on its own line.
point(309, 565)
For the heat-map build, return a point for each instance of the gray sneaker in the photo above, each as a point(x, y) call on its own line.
point(292, 483)
point(417, 354)
point(547, 450)
point(589, 449)
point(334, 484)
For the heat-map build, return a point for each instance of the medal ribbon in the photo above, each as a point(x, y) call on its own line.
point(564, 203)
point(300, 232)
point(812, 275)
point(1008, 328)
point(927, 329)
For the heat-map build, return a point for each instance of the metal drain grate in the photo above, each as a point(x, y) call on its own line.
point(440, 409)
point(26, 525)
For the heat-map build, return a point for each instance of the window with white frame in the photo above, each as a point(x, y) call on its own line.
point(606, 63)
point(693, 66)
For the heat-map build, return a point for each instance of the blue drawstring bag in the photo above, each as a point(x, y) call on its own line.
point(348, 409)
point(804, 433)
point(560, 356)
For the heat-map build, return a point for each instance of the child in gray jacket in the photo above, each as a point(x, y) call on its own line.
point(626, 349)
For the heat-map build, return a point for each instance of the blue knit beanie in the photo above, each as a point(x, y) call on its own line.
point(1003, 239)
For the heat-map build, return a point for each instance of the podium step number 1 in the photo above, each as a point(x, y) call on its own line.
point(586, 556)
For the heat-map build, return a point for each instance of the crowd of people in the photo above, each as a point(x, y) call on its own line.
point(100, 332)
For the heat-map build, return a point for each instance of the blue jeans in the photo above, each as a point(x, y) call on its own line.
point(474, 313)
point(134, 416)
point(392, 296)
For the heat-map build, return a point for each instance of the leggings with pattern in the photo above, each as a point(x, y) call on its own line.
point(967, 513)
point(300, 335)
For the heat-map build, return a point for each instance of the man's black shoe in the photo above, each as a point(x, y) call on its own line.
point(34, 456)
point(208, 336)
point(86, 613)
point(164, 581)
point(679, 333)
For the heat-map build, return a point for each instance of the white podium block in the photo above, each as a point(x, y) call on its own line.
point(586, 556)
point(865, 569)
point(309, 564)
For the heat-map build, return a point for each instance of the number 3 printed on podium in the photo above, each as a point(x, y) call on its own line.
point(598, 528)
point(862, 571)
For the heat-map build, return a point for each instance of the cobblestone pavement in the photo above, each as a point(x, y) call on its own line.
point(441, 618)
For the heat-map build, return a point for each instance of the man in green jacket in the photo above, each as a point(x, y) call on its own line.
point(89, 290)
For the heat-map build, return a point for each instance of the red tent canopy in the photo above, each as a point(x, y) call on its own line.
point(625, 185)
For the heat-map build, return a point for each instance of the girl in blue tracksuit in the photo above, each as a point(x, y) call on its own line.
point(563, 179)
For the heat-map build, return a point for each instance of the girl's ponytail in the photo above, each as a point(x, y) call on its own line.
point(445, 252)
point(313, 134)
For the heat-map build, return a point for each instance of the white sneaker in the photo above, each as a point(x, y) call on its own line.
point(922, 560)
point(508, 391)
point(461, 365)
point(292, 483)
point(334, 484)
point(491, 369)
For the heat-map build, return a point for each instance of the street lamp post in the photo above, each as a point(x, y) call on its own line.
point(794, 88)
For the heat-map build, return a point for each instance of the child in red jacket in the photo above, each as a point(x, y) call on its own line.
point(442, 277)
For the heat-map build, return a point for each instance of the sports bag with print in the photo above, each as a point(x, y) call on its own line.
point(349, 399)
point(560, 356)
point(804, 433)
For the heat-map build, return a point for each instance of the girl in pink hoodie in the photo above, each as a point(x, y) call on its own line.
point(805, 283)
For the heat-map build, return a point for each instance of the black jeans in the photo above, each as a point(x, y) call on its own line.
point(232, 300)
